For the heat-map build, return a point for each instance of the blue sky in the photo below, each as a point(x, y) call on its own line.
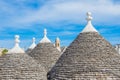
point(62, 18)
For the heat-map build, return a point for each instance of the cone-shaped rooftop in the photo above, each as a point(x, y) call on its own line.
point(20, 66)
point(16, 48)
point(45, 38)
point(45, 53)
point(89, 57)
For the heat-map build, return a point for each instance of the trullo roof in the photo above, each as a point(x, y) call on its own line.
point(46, 54)
point(20, 66)
point(89, 57)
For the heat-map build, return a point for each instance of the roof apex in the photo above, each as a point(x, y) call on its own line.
point(89, 27)
point(33, 44)
point(16, 48)
point(45, 39)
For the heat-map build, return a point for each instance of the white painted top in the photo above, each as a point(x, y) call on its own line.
point(16, 48)
point(89, 27)
point(33, 45)
point(45, 39)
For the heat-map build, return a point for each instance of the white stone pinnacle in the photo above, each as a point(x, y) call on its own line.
point(33, 40)
point(33, 45)
point(45, 39)
point(16, 48)
point(45, 32)
point(89, 27)
point(17, 41)
point(89, 16)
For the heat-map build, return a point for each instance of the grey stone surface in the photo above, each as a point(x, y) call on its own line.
point(20, 66)
point(63, 49)
point(89, 57)
point(28, 50)
point(46, 54)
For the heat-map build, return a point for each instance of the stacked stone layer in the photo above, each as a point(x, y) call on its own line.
point(46, 54)
point(20, 67)
point(89, 57)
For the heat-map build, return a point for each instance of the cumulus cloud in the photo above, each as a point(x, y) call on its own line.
point(55, 11)
point(73, 11)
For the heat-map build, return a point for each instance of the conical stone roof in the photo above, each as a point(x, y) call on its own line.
point(89, 57)
point(46, 54)
point(20, 66)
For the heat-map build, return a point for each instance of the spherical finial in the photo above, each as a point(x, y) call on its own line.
point(45, 32)
point(89, 13)
point(33, 39)
point(17, 39)
point(89, 16)
point(17, 36)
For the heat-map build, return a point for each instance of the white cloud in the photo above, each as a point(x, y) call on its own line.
point(67, 10)
point(73, 11)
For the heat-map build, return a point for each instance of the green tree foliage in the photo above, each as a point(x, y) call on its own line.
point(4, 51)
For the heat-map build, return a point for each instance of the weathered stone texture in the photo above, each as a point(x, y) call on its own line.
point(89, 57)
point(28, 51)
point(20, 66)
point(46, 54)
